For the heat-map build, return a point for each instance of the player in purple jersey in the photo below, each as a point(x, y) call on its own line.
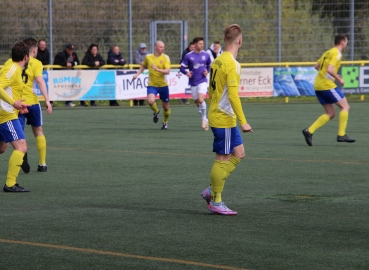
point(198, 63)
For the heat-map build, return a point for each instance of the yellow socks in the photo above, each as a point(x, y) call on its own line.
point(41, 147)
point(342, 123)
point(232, 165)
point(321, 121)
point(154, 108)
point(15, 161)
point(217, 178)
point(166, 115)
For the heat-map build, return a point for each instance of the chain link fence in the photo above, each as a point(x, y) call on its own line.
point(273, 30)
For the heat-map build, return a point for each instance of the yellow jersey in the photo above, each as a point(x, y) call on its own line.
point(32, 70)
point(156, 78)
point(324, 81)
point(11, 87)
point(225, 105)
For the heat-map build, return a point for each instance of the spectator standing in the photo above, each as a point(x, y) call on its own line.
point(43, 54)
point(115, 58)
point(190, 48)
point(139, 57)
point(67, 58)
point(92, 58)
point(215, 50)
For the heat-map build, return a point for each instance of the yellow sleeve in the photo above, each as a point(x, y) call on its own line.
point(320, 61)
point(38, 69)
point(145, 62)
point(232, 82)
point(334, 59)
point(4, 96)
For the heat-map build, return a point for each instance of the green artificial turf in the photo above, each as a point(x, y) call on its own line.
point(120, 193)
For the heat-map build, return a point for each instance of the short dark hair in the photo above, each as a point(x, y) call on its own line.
point(93, 45)
point(40, 40)
point(197, 39)
point(31, 43)
point(217, 42)
point(339, 38)
point(19, 51)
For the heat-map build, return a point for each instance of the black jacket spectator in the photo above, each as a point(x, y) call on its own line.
point(89, 59)
point(62, 57)
point(112, 57)
point(43, 56)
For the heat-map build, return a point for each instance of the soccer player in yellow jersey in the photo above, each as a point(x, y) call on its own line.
point(225, 108)
point(11, 87)
point(329, 94)
point(32, 74)
point(158, 64)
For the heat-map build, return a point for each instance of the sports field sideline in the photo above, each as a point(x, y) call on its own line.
point(120, 193)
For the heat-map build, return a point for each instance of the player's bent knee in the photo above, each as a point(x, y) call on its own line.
point(239, 155)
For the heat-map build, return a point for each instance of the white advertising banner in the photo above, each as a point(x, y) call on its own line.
point(128, 88)
point(120, 85)
point(256, 82)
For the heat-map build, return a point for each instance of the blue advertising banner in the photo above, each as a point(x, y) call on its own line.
point(294, 81)
point(81, 84)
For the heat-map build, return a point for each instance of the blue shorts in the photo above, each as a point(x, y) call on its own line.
point(11, 131)
point(162, 91)
point(34, 116)
point(329, 96)
point(225, 140)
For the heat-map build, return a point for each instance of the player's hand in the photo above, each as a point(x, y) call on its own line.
point(135, 76)
point(246, 128)
point(49, 108)
point(189, 74)
point(205, 73)
point(342, 82)
point(23, 110)
point(154, 67)
point(19, 105)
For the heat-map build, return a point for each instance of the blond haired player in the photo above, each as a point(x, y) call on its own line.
point(11, 87)
point(158, 64)
point(328, 93)
point(225, 108)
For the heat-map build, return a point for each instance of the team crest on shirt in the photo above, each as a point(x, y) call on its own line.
point(203, 57)
point(161, 62)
